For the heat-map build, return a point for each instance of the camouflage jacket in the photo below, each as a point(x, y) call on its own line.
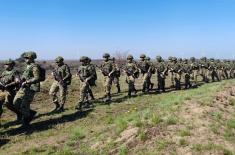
point(131, 69)
point(107, 67)
point(143, 66)
point(63, 72)
point(11, 79)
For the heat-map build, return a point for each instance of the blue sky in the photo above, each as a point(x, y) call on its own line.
point(72, 28)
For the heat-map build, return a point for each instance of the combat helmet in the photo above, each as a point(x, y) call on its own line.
point(142, 56)
point(106, 55)
point(9, 62)
point(130, 57)
point(30, 54)
point(59, 59)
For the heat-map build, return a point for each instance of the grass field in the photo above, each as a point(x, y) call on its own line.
point(195, 121)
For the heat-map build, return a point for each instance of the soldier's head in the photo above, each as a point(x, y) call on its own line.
point(170, 58)
point(192, 59)
point(29, 57)
point(217, 60)
point(59, 61)
point(174, 60)
point(147, 58)
point(159, 58)
point(142, 57)
point(130, 58)
point(9, 64)
point(185, 61)
point(180, 59)
point(204, 59)
point(106, 56)
point(83, 60)
point(212, 59)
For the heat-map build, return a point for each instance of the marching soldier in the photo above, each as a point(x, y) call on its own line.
point(161, 69)
point(145, 69)
point(213, 70)
point(86, 75)
point(187, 70)
point(94, 77)
point(195, 70)
point(116, 76)
point(132, 73)
point(30, 86)
point(9, 84)
point(151, 71)
point(62, 78)
point(177, 71)
point(171, 74)
point(203, 67)
point(107, 69)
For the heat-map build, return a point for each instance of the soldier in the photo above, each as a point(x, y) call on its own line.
point(62, 78)
point(30, 86)
point(213, 70)
point(94, 78)
point(177, 71)
point(107, 69)
point(203, 67)
point(195, 70)
point(170, 65)
point(161, 69)
point(9, 84)
point(132, 72)
point(187, 70)
point(151, 72)
point(145, 69)
point(116, 76)
point(86, 75)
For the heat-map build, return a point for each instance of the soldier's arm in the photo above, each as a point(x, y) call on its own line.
point(67, 73)
point(36, 76)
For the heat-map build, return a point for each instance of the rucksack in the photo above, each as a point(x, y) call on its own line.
point(42, 73)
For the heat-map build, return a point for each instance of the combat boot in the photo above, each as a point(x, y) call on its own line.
point(61, 108)
point(57, 106)
point(79, 106)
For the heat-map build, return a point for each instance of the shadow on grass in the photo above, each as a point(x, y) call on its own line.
point(47, 124)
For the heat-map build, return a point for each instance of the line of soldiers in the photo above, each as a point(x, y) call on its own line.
point(18, 90)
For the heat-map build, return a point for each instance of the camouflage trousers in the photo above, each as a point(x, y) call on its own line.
point(171, 75)
point(6, 97)
point(146, 81)
point(108, 84)
point(195, 75)
point(177, 80)
point(204, 74)
point(22, 101)
point(187, 82)
point(214, 74)
point(161, 82)
point(130, 80)
point(84, 90)
point(116, 82)
point(57, 87)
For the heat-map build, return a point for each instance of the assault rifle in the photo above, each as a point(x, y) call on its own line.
point(57, 77)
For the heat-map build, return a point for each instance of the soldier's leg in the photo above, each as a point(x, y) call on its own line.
point(117, 84)
point(2, 100)
point(108, 85)
point(82, 95)
point(9, 104)
point(53, 92)
point(91, 93)
point(63, 95)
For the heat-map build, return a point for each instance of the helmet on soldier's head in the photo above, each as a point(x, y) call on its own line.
point(174, 59)
point(130, 57)
point(180, 59)
point(142, 56)
point(9, 62)
point(30, 54)
point(158, 57)
point(212, 59)
point(170, 58)
point(106, 55)
point(59, 59)
point(148, 58)
point(83, 59)
point(192, 59)
point(185, 60)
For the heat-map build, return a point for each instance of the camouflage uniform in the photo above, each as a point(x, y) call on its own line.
point(10, 79)
point(203, 68)
point(116, 76)
point(31, 85)
point(161, 69)
point(151, 72)
point(62, 78)
point(107, 69)
point(85, 73)
point(187, 70)
point(145, 69)
point(94, 78)
point(171, 74)
point(176, 71)
point(195, 70)
point(213, 70)
point(131, 71)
